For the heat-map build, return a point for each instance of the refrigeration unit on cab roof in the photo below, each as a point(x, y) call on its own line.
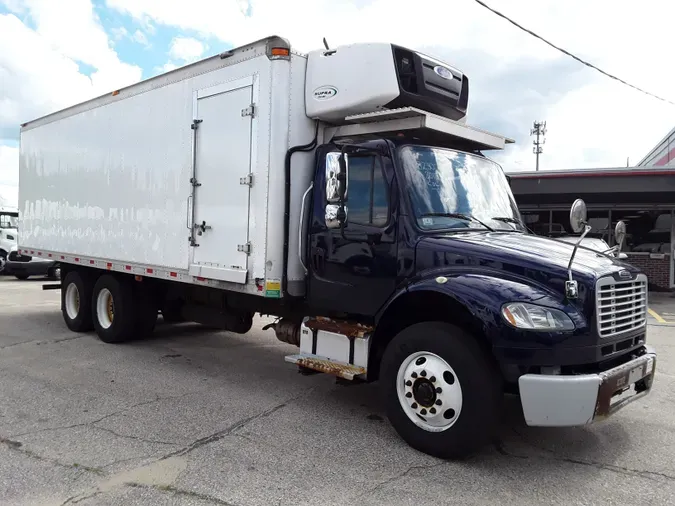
point(362, 78)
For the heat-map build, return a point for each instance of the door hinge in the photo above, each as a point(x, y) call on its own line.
point(195, 123)
point(248, 111)
point(245, 248)
point(247, 180)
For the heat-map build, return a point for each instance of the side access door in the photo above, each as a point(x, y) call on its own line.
point(354, 270)
point(222, 150)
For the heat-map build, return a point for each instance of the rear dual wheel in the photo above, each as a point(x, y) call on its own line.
point(121, 311)
point(76, 302)
point(117, 308)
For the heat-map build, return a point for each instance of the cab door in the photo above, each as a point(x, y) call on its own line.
point(353, 270)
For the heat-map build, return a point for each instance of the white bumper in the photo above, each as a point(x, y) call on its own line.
point(565, 401)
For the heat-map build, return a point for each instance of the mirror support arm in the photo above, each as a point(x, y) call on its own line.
point(587, 229)
point(571, 286)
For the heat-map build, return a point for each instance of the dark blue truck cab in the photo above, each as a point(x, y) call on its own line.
point(422, 275)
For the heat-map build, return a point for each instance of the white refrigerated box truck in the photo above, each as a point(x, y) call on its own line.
point(342, 192)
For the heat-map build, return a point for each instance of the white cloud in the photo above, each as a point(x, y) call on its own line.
point(39, 68)
point(167, 67)
point(592, 120)
point(9, 175)
point(140, 37)
point(119, 33)
point(186, 49)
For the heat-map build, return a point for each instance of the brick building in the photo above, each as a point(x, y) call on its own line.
point(643, 197)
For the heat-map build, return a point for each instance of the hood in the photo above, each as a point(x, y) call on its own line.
point(539, 258)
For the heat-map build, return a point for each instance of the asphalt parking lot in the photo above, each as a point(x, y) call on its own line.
point(211, 418)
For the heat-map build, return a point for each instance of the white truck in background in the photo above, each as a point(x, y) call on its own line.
point(342, 192)
point(9, 218)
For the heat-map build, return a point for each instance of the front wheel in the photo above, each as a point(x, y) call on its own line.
point(442, 395)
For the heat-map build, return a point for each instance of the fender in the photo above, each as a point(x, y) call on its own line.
point(483, 294)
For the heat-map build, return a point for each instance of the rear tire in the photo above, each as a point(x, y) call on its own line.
point(241, 323)
point(171, 311)
point(146, 309)
point(113, 311)
point(76, 302)
point(442, 394)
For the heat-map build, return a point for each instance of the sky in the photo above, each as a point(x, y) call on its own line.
point(55, 53)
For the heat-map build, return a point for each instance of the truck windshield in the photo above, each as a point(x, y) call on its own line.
point(459, 191)
point(8, 221)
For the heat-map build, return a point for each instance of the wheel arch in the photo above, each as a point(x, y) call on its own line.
point(424, 303)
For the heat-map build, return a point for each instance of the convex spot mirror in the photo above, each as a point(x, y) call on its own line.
point(620, 233)
point(578, 216)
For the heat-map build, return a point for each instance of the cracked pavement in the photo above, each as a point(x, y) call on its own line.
point(199, 417)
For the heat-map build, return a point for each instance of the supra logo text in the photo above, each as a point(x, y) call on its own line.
point(325, 92)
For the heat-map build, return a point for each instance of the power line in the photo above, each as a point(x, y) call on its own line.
point(570, 54)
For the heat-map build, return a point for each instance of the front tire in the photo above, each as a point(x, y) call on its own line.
point(21, 277)
point(76, 302)
point(442, 395)
point(112, 309)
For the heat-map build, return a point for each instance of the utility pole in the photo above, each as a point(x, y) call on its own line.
point(539, 131)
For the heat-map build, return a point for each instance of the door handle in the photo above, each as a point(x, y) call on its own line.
point(318, 259)
point(188, 214)
point(201, 228)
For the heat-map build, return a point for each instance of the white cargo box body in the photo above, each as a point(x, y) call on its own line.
point(107, 183)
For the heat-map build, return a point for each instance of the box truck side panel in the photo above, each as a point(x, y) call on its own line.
point(110, 178)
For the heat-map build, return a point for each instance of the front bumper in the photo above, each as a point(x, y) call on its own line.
point(572, 400)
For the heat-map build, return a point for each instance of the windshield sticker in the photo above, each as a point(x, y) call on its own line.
point(427, 222)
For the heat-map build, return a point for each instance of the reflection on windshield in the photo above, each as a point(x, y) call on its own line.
point(449, 182)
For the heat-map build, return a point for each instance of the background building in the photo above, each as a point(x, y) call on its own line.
point(663, 153)
point(643, 197)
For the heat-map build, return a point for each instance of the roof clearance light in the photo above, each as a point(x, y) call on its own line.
point(280, 51)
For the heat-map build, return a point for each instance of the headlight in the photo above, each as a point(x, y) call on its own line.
point(529, 316)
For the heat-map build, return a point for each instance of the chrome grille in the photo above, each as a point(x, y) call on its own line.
point(621, 305)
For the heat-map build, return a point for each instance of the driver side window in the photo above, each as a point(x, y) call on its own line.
point(368, 195)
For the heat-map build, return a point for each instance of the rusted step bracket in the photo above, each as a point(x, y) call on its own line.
point(339, 369)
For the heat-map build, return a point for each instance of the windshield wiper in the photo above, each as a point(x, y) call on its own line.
point(508, 219)
point(461, 216)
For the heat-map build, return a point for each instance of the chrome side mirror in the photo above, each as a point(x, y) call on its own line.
point(335, 216)
point(336, 177)
point(337, 168)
